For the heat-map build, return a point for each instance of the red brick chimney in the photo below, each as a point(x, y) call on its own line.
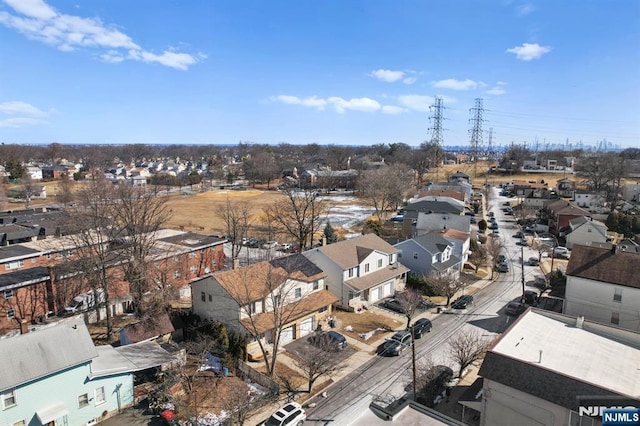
point(24, 326)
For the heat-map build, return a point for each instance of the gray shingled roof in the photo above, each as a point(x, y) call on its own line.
point(346, 253)
point(40, 353)
point(17, 250)
point(23, 277)
point(434, 206)
point(433, 242)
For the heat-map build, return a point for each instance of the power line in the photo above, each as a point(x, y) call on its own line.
point(476, 132)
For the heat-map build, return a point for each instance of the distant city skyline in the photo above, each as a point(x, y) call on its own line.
point(332, 72)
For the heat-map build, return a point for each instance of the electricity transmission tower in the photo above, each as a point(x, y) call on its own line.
point(436, 130)
point(476, 132)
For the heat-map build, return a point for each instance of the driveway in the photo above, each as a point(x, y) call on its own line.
point(301, 346)
point(138, 416)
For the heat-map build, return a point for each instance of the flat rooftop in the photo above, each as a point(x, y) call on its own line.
point(601, 355)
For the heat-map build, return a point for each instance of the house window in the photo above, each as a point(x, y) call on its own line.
point(9, 399)
point(298, 293)
point(617, 295)
point(193, 269)
point(48, 255)
point(203, 296)
point(210, 298)
point(415, 255)
point(192, 254)
point(391, 258)
point(366, 268)
point(276, 300)
point(323, 309)
point(379, 263)
point(316, 285)
point(11, 313)
point(99, 398)
point(14, 265)
point(176, 274)
point(8, 294)
point(615, 318)
point(575, 419)
point(350, 272)
point(83, 400)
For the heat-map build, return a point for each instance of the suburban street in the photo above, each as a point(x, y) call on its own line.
point(387, 377)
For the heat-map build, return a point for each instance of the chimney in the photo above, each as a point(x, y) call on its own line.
point(579, 321)
point(24, 326)
point(236, 263)
point(540, 356)
point(614, 248)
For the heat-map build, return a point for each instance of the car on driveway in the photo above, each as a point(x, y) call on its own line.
point(462, 302)
point(533, 261)
point(329, 341)
point(421, 326)
point(561, 252)
point(502, 267)
point(397, 343)
point(515, 309)
point(395, 305)
point(292, 414)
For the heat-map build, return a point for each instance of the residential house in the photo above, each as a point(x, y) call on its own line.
point(603, 285)
point(523, 188)
point(461, 242)
point(429, 254)
point(460, 186)
point(546, 366)
point(55, 376)
point(560, 212)
point(459, 176)
point(588, 199)
point(443, 208)
point(537, 198)
point(631, 192)
point(583, 230)
point(328, 179)
point(287, 294)
point(565, 187)
point(427, 222)
point(441, 193)
point(360, 271)
point(157, 328)
point(34, 172)
point(39, 278)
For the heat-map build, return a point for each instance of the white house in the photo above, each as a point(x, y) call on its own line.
point(603, 285)
point(631, 192)
point(429, 253)
point(360, 271)
point(248, 298)
point(34, 172)
point(427, 222)
point(585, 230)
point(546, 366)
point(461, 242)
point(588, 200)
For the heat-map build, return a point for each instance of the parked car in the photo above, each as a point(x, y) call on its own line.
point(292, 414)
point(502, 267)
point(540, 282)
point(462, 302)
point(433, 384)
point(397, 343)
point(285, 247)
point(524, 241)
point(420, 327)
point(506, 203)
point(561, 252)
point(533, 261)
point(269, 245)
point(493, 225)
point(515, 309)
point(330, 341)
point(502, 258)
point(531, 297)
point(518, 234)
point(473, 220)
point(395, 305)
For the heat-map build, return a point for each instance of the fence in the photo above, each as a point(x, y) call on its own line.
point(246, 372)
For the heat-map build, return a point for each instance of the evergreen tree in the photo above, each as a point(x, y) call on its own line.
point(330, 234)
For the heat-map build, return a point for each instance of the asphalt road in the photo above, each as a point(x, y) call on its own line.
point(385, 378)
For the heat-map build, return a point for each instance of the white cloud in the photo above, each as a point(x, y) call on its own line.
point(356, 104)
point(410, 80)
point(21, 122)
point(312, 101)
point(529, 51)
point(454, 84)
point(525, 9)
point(387, 75)
point(416, 102)
point(497, 89)
point(392, 109)
point(20, 108)
point(41, 22)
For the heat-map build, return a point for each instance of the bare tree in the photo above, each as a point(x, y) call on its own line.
point(236, 216)
point(410, 300)
point(24, 303)
point(241, 402)
point(385, 188)
point(478, 255)
point(299, 214)
point(318, 361)
point(444, 285)
point(66, 192)
point(30, 189)
point(3, 198)
point(140, 215)
point(467, 347)
point(494, 247)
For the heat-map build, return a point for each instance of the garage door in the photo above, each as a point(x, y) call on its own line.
point(306, 327)
point(387, 289)
point(375, 294)
point(286, 335)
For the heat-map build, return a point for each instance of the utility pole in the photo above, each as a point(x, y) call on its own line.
point(522, 265)
point(476, 132)
point(436, 130)
point(413, 362)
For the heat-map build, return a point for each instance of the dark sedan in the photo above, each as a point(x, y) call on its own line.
point(420, 327)
point(462, 302)
point(396, 305)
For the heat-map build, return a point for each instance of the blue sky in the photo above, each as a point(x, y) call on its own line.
point(332, 71)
